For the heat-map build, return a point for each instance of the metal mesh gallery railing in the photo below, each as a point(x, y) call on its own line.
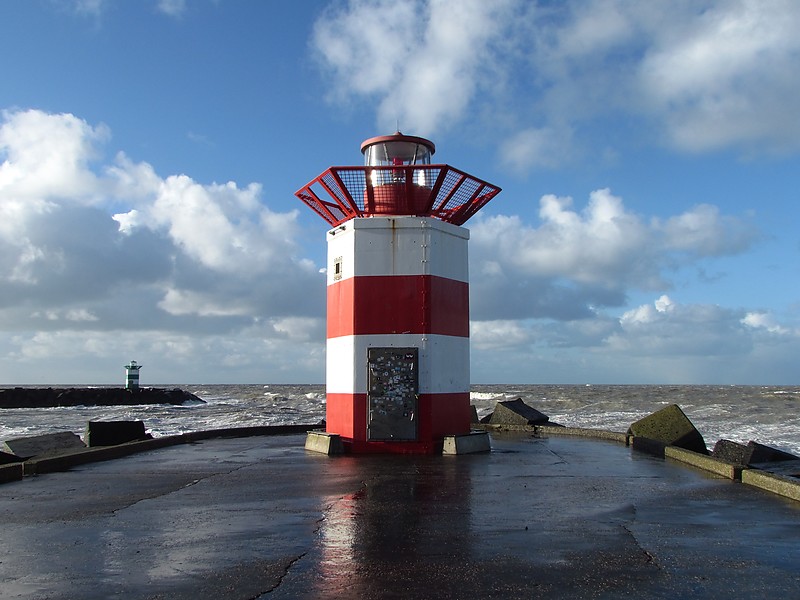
point(441, 191)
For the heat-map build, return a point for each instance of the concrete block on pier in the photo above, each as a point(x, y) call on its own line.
point(762, 454)
point(6, 458)
point(39, 445)
point(732, 452)
point(470, 443)
point(516, 412)
point(668, 427)
point(11, 472)
point(112, 433)
point(749, 454)
point(326, 443)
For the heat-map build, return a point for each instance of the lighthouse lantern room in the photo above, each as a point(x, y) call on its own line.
point(397, 373)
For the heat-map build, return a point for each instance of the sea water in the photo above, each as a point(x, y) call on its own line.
point(765, 414)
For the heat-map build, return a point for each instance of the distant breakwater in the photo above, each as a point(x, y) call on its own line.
point(20, 397)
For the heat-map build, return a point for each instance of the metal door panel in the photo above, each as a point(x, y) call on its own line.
point(393, 391)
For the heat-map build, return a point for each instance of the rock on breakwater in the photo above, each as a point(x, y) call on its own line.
point(20, 397)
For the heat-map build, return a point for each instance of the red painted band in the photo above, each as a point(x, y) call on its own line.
point(439, 415)
point(398, 304)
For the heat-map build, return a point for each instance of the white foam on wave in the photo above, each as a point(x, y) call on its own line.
point(484, 395)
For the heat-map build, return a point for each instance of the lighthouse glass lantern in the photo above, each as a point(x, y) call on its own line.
point(397, 373)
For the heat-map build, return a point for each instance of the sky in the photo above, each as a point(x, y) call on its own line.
point(648, 152)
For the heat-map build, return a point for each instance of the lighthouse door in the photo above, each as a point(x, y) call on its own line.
point(393, 380)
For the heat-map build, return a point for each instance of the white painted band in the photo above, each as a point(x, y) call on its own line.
point(443, 360)
point(397, 246)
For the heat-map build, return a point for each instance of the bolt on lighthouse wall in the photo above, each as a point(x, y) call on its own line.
point(398, 332)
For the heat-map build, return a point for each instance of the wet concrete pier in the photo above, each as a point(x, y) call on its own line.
point(260, 517)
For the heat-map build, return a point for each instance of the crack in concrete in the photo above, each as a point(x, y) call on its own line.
point(319, 524)
point(177, 489)
point(283, 575)
point(561, 459)
point(649, 557)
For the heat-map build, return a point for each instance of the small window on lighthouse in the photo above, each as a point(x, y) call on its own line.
point(337, 268)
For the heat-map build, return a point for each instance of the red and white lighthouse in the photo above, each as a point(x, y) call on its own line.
point(397, 376)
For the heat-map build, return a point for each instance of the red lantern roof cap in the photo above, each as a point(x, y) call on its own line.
point(398, 137)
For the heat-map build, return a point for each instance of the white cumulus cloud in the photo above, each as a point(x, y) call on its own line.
point(576, 259)
point(534, 78)
point(422, 61)
point(111, 245)
point(724, 76)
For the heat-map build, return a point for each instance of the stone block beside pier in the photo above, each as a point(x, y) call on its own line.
point(666, 427)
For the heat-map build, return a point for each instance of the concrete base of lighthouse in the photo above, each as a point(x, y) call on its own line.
point(332, 444)
point(471, 443)
point(326, 443)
